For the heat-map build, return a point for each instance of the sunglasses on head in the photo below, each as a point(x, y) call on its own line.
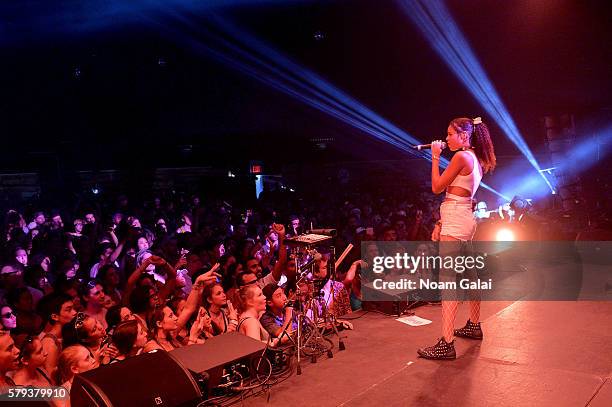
point(78, 323)
point(92, 284)
point(243, 284)
point(80, 318)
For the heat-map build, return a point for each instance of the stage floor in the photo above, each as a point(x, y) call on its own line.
point(533, 354)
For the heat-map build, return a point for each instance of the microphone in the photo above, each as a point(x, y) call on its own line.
point(326, 232)
point(427, 146)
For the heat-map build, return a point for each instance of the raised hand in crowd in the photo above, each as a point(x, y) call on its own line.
point(279, 228)
point(200, 327)
point(209, 277)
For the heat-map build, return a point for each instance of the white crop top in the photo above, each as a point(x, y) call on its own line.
point(471, 181)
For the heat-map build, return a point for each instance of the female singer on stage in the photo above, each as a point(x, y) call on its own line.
point(474, 156)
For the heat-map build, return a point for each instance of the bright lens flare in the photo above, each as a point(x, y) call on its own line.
point(504, 235)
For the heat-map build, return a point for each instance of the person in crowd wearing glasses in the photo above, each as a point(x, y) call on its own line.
point(57, 310)
point(32, 358)
point(129, 338)
point(8, 318)
point(28, 321)
point(73, 360)
point(224, 316)
point(92, 295)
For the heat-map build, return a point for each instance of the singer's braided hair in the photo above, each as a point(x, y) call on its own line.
point(480, 140)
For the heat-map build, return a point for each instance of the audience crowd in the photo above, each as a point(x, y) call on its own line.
point(109, 279)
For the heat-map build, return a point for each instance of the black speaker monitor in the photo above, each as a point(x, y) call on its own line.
point(151, 379)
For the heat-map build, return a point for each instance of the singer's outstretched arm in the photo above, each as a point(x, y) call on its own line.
point(460, 160)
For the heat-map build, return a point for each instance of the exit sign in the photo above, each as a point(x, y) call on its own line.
point(256, 168)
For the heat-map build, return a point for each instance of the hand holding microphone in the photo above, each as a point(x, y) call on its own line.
point(431, 146)
point(436, 148)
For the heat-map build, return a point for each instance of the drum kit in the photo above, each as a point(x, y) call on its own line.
point(312, 298)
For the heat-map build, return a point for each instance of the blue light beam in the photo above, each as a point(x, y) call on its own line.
point(254, 58)
point(439, 28)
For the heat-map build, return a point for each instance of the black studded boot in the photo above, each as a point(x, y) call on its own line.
point(470, 330)
point(441, 350)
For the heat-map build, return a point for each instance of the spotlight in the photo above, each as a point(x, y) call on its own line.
point(231, 174)
point(95, 190)
point(504, 235)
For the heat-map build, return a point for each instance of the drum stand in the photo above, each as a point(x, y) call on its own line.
point(310, 338)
